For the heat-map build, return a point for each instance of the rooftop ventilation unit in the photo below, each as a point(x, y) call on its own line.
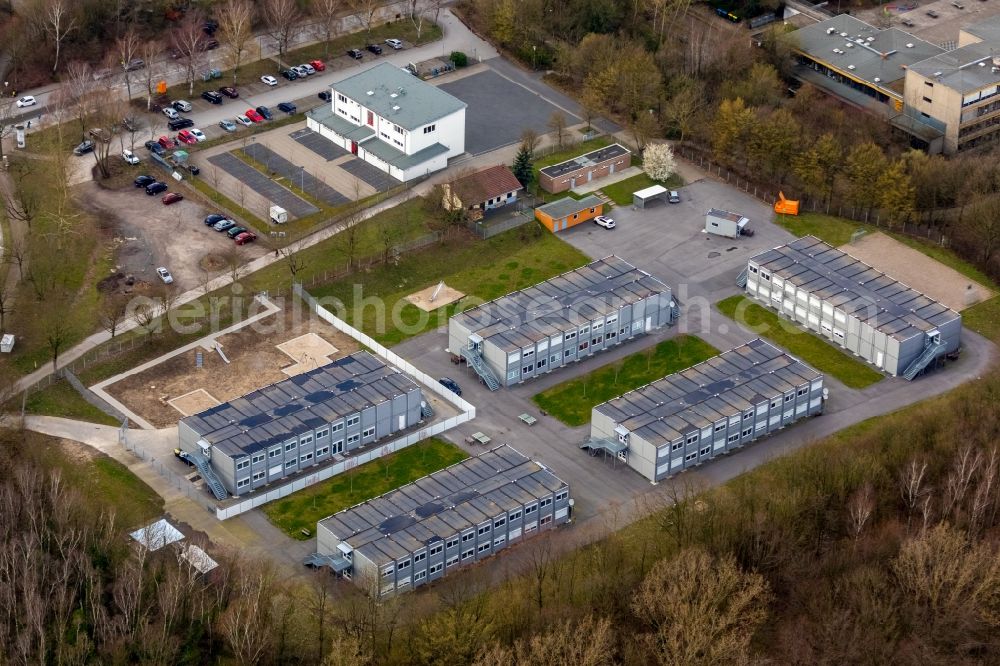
point(849, 45)
point(393, 95)
point(937, 73)
point(843, 34)
point(830, 31)
point(871, 39)
point(370, 92)
point(878, 80)
point(909, 45)
point(850, 67)
point(395, 107)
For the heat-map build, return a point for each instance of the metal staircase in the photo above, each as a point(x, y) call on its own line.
point(426, 411)
point(205, 468)
point(476, 362)
point(932, 349)
point(741, 279)
point(675, 310)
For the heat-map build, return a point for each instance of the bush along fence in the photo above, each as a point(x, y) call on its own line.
point(768, 193)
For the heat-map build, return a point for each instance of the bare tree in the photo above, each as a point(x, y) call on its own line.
point(58, 21)
point(150, 51)
point(7, 113)
point(282, 20)
point(530, 141)
point(6, 306)
point(326, 16)
point(235, 260)
point(188, 39)
point(236, 31)
point(58, 331)
point(114, 311)
point(127, 49)
point(557, 123)
point(364, 11)
point(967, 461)
point(105, 122)
point(860, 507)
point(78, 92)
point(983, 498)
point(418, 11)
point(911, 487)
point(293, 261)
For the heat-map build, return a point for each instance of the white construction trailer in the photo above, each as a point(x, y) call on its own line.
point(724, 223)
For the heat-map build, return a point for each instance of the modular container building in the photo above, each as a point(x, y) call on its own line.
point(895, 328)
point(724, 223)
point(565, 213)
point(584, 168)
point(718, 405)
point(297, 423)
point(429, 528)
point(564, 319)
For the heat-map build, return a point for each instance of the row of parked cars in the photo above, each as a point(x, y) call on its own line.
point(221, 223)
point(375, 48)
point(295, 72)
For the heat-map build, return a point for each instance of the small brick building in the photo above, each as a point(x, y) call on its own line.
point(584, 168)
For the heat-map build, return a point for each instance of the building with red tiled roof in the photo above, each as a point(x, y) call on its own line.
point(483, 190)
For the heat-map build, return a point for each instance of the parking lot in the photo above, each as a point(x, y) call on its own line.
point(942, 29)
point(151, 235)
point(489, 125)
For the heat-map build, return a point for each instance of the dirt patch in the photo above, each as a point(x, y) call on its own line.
point(434, 297)
point(254, 361)
point(212, 262)
point(917, 270)
point(308, 351)
point(196, 401)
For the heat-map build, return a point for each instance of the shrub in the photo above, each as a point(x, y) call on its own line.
point(459, 58)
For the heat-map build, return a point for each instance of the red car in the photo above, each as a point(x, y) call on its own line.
point(171, 198)
point(254, 116)
point(184, 136)
point(245, 237)
point(167, 142)
point(317, 65)
point(229, 92)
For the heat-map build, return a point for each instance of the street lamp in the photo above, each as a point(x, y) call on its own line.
point(534, 48)
point(302, 178)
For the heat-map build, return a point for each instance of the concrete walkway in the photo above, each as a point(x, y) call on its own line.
point(617, 177)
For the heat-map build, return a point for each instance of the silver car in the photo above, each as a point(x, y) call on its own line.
point(165, 275)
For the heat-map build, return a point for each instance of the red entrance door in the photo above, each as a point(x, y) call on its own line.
point(354, 147)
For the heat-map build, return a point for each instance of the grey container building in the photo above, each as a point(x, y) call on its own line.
point(441, 522)
point(895, 328)
point(718, 405)
point(564, 319)
point(278, 430)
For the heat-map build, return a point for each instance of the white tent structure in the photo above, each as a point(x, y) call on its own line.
point(197, 558)
point(157, 535)
point(650, 194)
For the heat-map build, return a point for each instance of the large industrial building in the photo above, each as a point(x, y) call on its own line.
point(713, 407)
point(394, 121)
point(566, 318)
point(946, 100)
point(435, 525)
point(895, 328)
point(297, 423)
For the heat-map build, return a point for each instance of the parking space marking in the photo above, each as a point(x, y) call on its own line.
point(305, 180)
point(263, 185)
point(318, 143)
point(372, 175)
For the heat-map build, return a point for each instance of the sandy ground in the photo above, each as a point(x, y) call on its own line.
point(255, 361)
point(308, 351)
point(196, 401)
point(422, 298)
point(918, 271)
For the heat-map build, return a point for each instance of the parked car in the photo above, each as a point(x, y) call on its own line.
point(308, 69)
point(144, 180)
point(244, 120)
point(172, 198)
point(301, 71)
point(289, 74)
point(264, 112)
point(129, 157)
point(374, 48)
point(223, 225)
point(179, 124)
point(130, 123)
point(164, 275)
point(211, 97)
point(185, 136)
point(674, 196)
point(269, 80)
point(213, 219)
point(198, 134)
point(167, 142)
point(325, 95)
point(209, 45)
point(155, 147)
point(245, 237)
point(171, 112)
point(254, 116)
point(184, 457)
point(287, 107)
point(233, 232)
point(156, 188)
point(227, 125)
point(229, 92)
point(135, 64)
point(932, 13)
point(100, 134)
point(182, 105)
point(84, 147)
point(451, 385)
point(394, 43)
point(27, 100)
point(355, 53)
point(604, 221)
point(317, 65)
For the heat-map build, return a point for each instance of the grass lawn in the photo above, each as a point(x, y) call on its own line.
point(303, 509)
point(810, 348)
point(984, 318)
point(403, 30)
point(571, 401)
point(482, 270)
point(61, 399)
point(104, 483)
point(621, 192)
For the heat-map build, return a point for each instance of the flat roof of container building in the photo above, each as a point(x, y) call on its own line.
point(589, 159)
point(434, 507)
point(574, 298)
point(299, 404)
point(717, 388)
point(853, 286)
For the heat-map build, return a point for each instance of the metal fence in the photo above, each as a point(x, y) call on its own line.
point(489, 228)
point(369, 261)
point(176, 480)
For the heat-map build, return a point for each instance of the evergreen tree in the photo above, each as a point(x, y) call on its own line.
point(522, 166)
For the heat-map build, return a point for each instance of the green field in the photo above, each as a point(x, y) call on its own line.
point(61, 399)
point(834, 230)
point(808, 347)
point(303, 509)
point(621, 192)
point(374, 301)
point(572, 400)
